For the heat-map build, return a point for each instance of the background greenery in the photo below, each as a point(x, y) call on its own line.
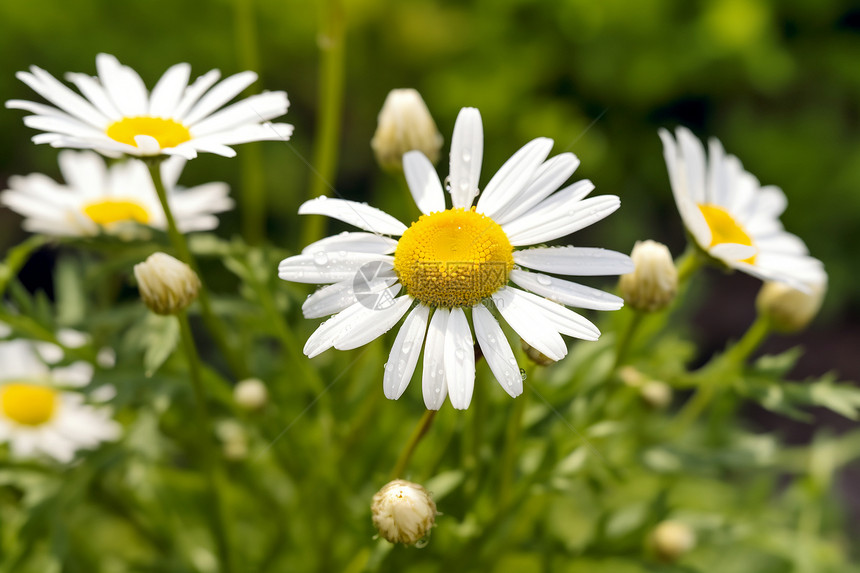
point(777, 82)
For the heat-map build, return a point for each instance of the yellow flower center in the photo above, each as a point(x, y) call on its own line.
point(112, 211)
point(167, 132)
point(453, 258)
point(724, 228)
point(28, 404)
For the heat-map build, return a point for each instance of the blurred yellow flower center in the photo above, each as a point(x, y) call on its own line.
point(111, 211)
point(453, 258)
point(28, 404)
point(167, 132)
point(724, 228)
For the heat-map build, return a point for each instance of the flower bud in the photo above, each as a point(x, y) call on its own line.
point(656, 394)
point(404, 124)
point(789, 309)
point(654, 282)
point(234, 440)
point(403, 512)
point(167, 285)
point(672, 539)
point(251, 394)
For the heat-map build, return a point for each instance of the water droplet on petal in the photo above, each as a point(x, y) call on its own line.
point(320, 258)
point(544, 280)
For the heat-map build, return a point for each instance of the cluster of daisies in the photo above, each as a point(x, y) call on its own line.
point(476, 258)
point(42, 410)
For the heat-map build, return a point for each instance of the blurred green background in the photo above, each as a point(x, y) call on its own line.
point(777, 82)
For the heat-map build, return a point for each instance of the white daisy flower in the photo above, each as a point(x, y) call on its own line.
point(453, 263)
point(103, 199)
point(36, 418)
point(119, 116)
point(731, 216)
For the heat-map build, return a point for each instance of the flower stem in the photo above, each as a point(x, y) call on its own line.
point(626, 338)
point(687, 265)
point(212, 469)
point(734, 357)
point(253, 191)
point(330, 99)
point(215, 326)
point(512, 438)
point(406, 454)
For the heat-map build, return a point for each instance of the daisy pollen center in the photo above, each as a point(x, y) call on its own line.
point(168, 132)
point(453, 258)
point(28, 404)
point(724, 228)
point(110, 211)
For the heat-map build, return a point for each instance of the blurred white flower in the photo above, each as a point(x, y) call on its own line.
point(98, 198)
point(460, 259)
point(119, 116)
point(731, 216)
point(672, 539)
point(403, 512)
point(166, 284)
point(38, 418)
point(654, 282)
point(405, 124)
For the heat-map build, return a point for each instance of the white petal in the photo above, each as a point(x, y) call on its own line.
point(354, 242)
point(433, 384)
point(423, 182)
point(95, 92)
point(194, 91)
point(55, 92)
point(248, 133)
point(549, 176)
point(731, 252)
point(693, 158)
point(497, 351)
point(565, 320)
point(566, 292)
point(580, 261)
point(405, 353)
point(529, 323)
point(327, 267)
point(328, 333)
point(467, 153)
point(459, 359)
point(147, 145)
point(168, 91)
point(123, 85)
point(373, 324)
point(336, 297)
point(171, 170)
point(581, 215)
point(550, 207)
point(219, 95)
point(510, 180)
point(690, 213)
point(254, 109)
point(84, 170)
point(358, 214)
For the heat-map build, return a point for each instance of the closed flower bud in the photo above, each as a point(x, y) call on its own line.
point(403, 512)
point(404, 124)
point(654, 282)
point(788, 309)
point(251, 394)
point(656, 394)
point(167, 285)
point(535, 355)
point(234, 440)
point(672, 539)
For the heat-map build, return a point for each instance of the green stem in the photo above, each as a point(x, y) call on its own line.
point(253, 194)
point(330, 100)
point(687, 265)
point(509, 454)
point(734, 357)
point(406, 454)
point(626, 338)
point(212, 468)
point(215, 326)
